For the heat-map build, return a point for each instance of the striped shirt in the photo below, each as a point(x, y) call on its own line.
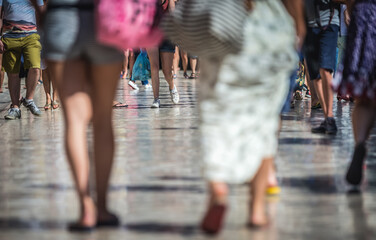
point(19, 18)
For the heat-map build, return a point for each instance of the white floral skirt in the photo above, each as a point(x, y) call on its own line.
point(240, 119)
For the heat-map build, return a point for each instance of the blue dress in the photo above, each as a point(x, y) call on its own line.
point(357, 76)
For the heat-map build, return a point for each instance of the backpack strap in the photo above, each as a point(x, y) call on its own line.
point(317, 14)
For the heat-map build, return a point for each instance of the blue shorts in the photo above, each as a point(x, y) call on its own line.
point(320, 49)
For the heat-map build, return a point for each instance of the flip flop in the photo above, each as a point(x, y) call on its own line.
point(76, 227)
point(55, 104)
point(119, 105)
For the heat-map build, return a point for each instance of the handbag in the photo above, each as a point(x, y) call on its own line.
point(207, 28)
point(128, 24)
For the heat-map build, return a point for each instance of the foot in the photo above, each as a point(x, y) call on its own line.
point(174, 95)
point(354, 174)
point(315, 105)
point(55, 104)
point(258, 219)
point(156, 103)
point(116, 104)
point(186, 75)
point(13, 114)
point(133, 85)
point(298, 95)
point(123, 75)
point(148, 86)
point(193, 76)
point(47, 106)
point(29, 104)
point(331, 127)
point(107, 219)
point(320, 129)
point(88, 218)
point(213, 219)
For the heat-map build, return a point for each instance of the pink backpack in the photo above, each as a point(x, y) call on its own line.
point(128, 23)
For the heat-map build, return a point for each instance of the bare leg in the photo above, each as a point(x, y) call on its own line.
point(153, 54)
point(47, 86)
point(311, 85)
point(1, 74)
point(328, 92)
point(131, 62)
point(363, 117)
point(184, 61)
point(320, 93)
point(125, 64)
point(14, 84)
point(31, 82)
point(167, 60)
point(76, 102)
point(218, 193)
point(176, 61)
point(102, 95)
point(193, 62)
point(258, 188)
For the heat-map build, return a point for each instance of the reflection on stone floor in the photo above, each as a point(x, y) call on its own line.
point(156, 186)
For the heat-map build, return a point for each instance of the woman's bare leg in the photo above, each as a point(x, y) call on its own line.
point(73, 90)
point(125, 64)
point(153, 54)
point(363, 116)
point(176, 60)
point(131, 63)
point(103, 93)
point(184, 61)
point(258, 188)
point(193, 62)
point(46, 85)
point(167, 61)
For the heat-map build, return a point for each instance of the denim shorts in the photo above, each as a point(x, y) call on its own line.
point(320, 49)
point(167, 46)
point(69, 33)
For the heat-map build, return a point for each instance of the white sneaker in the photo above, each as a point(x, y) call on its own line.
point(156, 103)
point(148, 86)
point(174, 95)
point(133, 85)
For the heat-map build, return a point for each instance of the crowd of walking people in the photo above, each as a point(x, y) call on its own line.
point(332, 43)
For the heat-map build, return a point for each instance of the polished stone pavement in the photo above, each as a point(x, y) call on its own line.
point(156, 186)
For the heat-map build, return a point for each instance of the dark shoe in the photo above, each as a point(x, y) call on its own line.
point(331, 127)
point(320, 129)
point(13, 114)
point(186, 75)
point(76, 227)
point(112, 222)
point(213, 219)
point(316, 106)
point(355, 172)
